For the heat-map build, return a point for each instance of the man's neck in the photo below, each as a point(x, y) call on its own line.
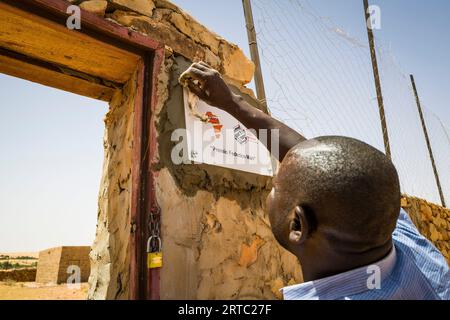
point(332, 262)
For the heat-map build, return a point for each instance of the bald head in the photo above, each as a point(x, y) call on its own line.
point(347, 191)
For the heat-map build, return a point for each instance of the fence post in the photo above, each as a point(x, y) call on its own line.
point(254, 53)
point(427, 139)
point(376, 76)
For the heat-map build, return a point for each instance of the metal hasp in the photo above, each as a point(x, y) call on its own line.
point(376, 75)
point(427, 139)
point(254, 53)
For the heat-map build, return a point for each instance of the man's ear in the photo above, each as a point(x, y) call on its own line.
point(298, 227)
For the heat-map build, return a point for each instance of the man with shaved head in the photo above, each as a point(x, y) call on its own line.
point(335, 205)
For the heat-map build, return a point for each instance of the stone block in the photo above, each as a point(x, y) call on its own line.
point(144, 7)
point(195, 31)
point(97, 7)
point(426, 210)
point(235, 64)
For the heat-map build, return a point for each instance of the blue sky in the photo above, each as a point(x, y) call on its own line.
point(417, 31)
point(51, 141)
point(50, 166)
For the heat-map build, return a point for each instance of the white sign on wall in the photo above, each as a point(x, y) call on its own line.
point(215, 137)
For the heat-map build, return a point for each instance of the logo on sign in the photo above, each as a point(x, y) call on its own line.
point(240, 135)
point(214, 120)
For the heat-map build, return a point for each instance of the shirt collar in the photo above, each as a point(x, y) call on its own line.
point(342, 284)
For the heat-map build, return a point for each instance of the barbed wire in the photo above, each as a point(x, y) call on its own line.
point(319, 80)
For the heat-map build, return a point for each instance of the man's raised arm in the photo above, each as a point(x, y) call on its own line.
point(209, 86)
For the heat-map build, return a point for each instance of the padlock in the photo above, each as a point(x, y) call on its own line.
point(154, 258)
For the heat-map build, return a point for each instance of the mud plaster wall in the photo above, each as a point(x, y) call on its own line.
point(216, 236)
point(110, 255)
point(74, 256)
point(53, 264)
point(163, 21)
point(431, 220)
point(217, 242)
point(48, 265)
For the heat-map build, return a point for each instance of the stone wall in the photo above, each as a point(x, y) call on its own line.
point(53, 264)
point(18, 275)
point(163, 21)
point(110, 258)
point(48, 265)
point(74, 256)
point(216, 236)
point(433, 221)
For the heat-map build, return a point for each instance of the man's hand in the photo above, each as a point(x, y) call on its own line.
point(208, 85)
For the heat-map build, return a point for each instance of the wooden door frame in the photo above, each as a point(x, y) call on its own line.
point(143, 198)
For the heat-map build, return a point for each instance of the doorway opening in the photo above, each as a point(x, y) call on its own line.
point(110, 63)
point(52, 143)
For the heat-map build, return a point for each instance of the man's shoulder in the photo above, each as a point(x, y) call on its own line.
point(407, 237)
point(419, 259)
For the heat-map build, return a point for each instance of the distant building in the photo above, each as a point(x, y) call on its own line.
point(56, 265)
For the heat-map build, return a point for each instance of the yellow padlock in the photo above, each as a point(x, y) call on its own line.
point(154, 259)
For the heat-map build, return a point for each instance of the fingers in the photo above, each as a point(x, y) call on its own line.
point(200, 66)
point(196, 90)
point(207, 68)
point(198, 71)
point(195, 73)
point(192, 75)
point(205, 64)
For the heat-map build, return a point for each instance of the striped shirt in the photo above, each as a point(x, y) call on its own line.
point(413, 270)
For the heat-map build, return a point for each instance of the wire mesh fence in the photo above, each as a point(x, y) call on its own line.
point(408, 145)
point(319, 80)
point(440, 143)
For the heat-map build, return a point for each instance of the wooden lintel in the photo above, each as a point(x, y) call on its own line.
point(49, 77)
point(46, 40)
